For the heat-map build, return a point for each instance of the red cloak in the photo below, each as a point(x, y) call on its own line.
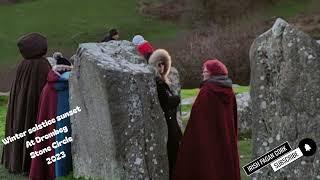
point(209, 147)
point(40, 170)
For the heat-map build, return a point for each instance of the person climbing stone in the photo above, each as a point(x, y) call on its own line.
point(54, 101)
point(208, 148)
point(161, 60)
point(113, 35)
point(23, 102)
point(143, 46)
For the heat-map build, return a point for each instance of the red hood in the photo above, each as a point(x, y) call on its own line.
point(226, 94)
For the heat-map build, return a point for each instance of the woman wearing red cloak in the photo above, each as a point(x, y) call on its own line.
point(209, 146)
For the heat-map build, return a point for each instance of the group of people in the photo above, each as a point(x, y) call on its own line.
point(39, 93)
point(207, 150)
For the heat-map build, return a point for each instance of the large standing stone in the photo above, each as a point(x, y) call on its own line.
point(285, 83)
point(121, 131)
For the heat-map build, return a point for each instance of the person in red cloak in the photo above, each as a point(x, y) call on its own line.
point(208, 150)
point(40, 170)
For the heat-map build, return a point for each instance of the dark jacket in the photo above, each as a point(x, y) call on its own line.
point(107, 38)
point(23, 102)
point(169, 104)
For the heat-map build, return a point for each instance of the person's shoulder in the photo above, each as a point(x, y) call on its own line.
point(207, 91)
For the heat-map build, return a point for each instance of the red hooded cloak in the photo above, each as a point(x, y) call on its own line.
point(209, 147)
point(40, 170)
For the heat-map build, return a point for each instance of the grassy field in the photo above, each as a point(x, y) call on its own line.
point(290, 8)
point(68, 22)
point(3, 112)
point(189, 93)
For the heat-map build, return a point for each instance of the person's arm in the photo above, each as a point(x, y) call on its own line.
point(173, 101)
point(162, 94)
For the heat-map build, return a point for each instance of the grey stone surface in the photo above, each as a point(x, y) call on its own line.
point(175, 87)
point(121, 131)
point(285, 71)
point(244, 112)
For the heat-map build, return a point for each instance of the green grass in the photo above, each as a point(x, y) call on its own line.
point(3, 112)
point(288, 8)
point(245, 155)
point(241, 89)
point(188, 93)
point(67, 23)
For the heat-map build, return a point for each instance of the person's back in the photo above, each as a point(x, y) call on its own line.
point(54, 101)
point(209, 146)
point(23, 102)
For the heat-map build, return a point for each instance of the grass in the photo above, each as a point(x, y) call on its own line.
point(3, 112)
point(290, 8)
point(189, 93)
point(67, 23)
point(241, 89)
point(245, 155)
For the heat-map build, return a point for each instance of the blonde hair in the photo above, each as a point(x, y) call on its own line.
point(161, 56)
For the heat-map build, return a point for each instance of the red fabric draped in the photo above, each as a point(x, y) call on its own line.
point(40, 170)
point(209, 147)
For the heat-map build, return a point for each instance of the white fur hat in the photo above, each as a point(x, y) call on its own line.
point(137, 40)
point(57, 55)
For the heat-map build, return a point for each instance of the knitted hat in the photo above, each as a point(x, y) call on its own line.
point(137, 40)
point(57, 55)
point(63, 61)
point(216, 68)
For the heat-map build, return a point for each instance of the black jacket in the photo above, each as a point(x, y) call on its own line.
point(107, 38)
point(169, 104)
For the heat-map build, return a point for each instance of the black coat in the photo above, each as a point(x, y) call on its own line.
point(107, 38)
point(169, 104)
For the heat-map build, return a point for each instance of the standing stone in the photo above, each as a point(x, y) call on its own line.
point(285, 83)
point(121, 131)
point(244, 113)
point(175, 87)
